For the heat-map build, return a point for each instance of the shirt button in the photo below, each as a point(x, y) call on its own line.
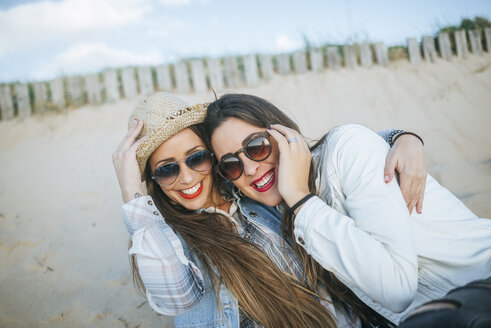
point(155, 212)
point(300, 240)
point(253, 214)
point(150, 202)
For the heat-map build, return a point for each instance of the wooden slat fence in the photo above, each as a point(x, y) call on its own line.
point(200, 75)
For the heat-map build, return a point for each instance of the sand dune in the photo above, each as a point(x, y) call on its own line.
point(63, 244)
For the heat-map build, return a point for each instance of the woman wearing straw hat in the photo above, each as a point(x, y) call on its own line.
point(348, 226)
point(214, 261)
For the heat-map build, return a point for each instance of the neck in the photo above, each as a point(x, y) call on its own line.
point(221, 203)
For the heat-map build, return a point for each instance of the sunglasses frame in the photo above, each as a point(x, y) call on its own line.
point(179, 167)
point(244, 150)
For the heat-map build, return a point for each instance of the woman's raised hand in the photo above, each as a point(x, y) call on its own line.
point(408, 158)
point(294, 163)
point(126, 165)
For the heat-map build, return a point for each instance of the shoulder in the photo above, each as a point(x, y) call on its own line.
point(348, 137)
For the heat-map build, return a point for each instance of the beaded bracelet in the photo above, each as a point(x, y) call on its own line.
point(300, 202)
point(391, 135)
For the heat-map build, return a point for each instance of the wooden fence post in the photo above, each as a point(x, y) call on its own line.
point(251, 73)
point(283, 62)
point(381, 54)
point(182, 77)
point(333, 58)
point(300, 62)
point(429, 50)
point(111, 86)
point(475, 40)
point(444, 45)
point(6, 103)
point(22, 98)
point(129, 82)
point(93, 89)
point(365, 55)
point(76, 91)
point(487, 33)
point(461, 44)
point(215, 73)
point(198, 76)
point(232, 74)
point(349, 56)
point(163, 78)
point(414, 51)
point(316, 60)
point(145, 80)
point(58, 93)
point(40, 97)
point(266, 64)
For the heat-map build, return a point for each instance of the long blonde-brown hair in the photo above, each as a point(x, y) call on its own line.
point(264, 293)
point(259, 112)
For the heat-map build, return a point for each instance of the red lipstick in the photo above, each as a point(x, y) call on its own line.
point(268, 185)
point(196, 194)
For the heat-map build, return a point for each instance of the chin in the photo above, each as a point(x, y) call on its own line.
point(270, 198)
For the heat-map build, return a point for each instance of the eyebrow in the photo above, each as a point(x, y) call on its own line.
point(172, 159)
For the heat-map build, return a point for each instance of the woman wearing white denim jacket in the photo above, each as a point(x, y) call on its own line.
point(352, 223)
point(173, 273)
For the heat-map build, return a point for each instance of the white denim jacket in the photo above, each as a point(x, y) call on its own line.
point(360, 229)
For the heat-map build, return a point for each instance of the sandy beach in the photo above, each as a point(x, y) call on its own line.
point(63, 245)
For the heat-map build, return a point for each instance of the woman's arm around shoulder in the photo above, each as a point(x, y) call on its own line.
point(173, 283)
point(372, 248)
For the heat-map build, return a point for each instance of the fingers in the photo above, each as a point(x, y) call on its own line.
point(133, 132)
point(138, 143)
point(280, 140)
point(290, 134)
point(419, 205)
point(420, 196)
point(389, 169)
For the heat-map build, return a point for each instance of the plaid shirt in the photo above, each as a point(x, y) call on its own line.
point(174, 283)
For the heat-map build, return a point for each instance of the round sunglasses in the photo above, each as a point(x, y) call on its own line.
point(167, 174)
point(257, 149)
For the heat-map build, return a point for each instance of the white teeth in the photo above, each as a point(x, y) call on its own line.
point(191, 190)
point(264, 181)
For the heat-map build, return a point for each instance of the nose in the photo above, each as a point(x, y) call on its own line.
point(186, 175)
point(250, 166)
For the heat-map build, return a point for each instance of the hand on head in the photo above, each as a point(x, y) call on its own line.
point(126, 165)
point(294, 163)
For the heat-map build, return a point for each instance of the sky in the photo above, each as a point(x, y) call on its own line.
point(44, 39)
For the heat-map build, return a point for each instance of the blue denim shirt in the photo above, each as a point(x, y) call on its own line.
point(206, 313)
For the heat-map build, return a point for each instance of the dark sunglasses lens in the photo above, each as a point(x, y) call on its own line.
point(199, 161)
point(166, 174)
point(230, 168)
point(258, 149)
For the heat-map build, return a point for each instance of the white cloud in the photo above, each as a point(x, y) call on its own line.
point(174, 2)
point(284, 43)
point(181, 2)
point(93, 57)
point(28, 26)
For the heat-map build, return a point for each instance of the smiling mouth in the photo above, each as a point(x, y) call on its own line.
point(265, 182)
point(192, 192)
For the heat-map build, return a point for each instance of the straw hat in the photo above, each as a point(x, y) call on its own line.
point(163, 116)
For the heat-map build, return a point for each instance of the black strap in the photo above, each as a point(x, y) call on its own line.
point(300, 202)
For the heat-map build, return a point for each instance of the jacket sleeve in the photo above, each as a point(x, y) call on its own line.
point(387, 134)
point(371, 249)
point(173, 283)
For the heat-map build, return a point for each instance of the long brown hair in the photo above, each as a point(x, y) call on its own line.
point(259, 112)
point(266, 294)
